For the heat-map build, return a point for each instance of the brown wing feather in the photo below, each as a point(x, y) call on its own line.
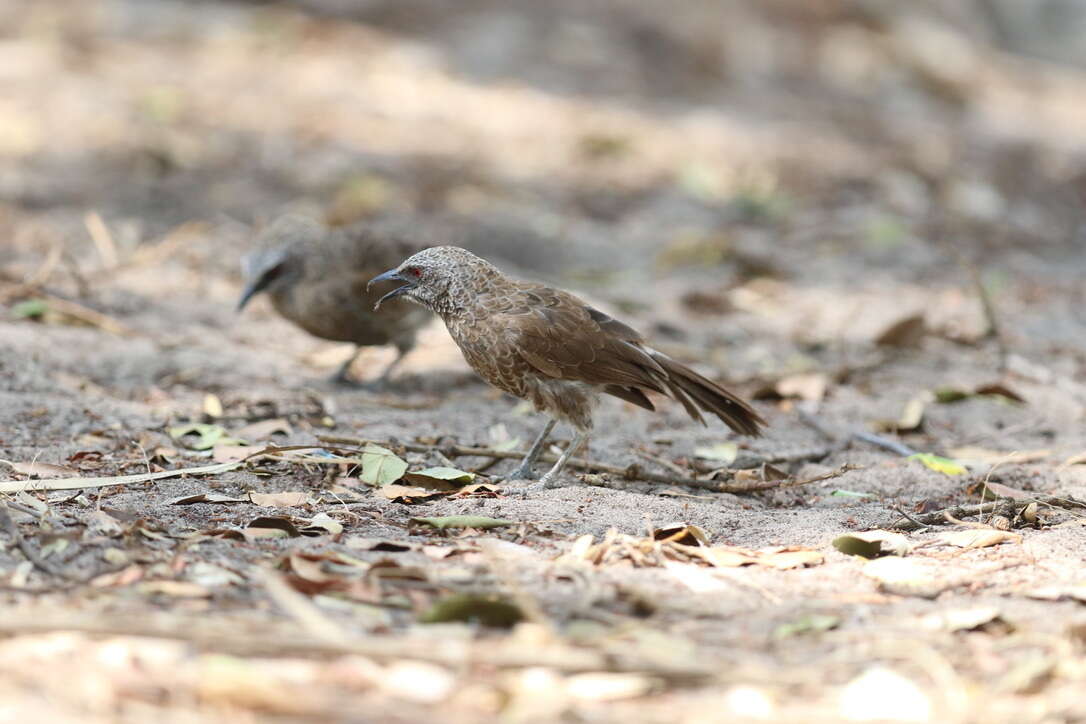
point(565, 339)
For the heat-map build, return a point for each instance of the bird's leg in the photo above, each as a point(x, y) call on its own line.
point(382, 379)
point(342, 375)
point(525, 471)
point(550, 480)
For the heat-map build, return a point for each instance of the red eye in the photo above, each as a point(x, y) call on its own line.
point(415, 272)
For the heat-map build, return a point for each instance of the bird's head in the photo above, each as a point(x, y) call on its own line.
point(441, 278)
point(278, 258)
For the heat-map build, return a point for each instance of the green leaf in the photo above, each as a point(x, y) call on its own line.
point(429, 476)
point(946, 466)
point(813, 623)
point(464, 521)
point(30, 309)
point(474, 608)
point(381, 466)
point(948, 395)
point(724, 452)
point(852, 494)
point(208, 436)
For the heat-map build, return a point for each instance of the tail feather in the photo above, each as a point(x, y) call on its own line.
point(698, 393)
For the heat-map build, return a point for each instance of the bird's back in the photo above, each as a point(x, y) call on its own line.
point(330, 299)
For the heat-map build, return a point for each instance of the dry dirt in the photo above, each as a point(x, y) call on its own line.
point(762, 188)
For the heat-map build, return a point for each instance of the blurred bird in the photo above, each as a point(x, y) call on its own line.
point(316, 277)
point(547, 346)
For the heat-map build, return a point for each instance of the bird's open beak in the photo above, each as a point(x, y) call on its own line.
point(391, 275)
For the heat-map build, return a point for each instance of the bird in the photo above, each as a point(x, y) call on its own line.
point(548, 347)
point(316, 277)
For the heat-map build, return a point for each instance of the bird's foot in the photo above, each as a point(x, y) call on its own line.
point(550, 481)
point(522, 472)
point(378, 385)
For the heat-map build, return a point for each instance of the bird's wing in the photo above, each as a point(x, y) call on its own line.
point(564, 338)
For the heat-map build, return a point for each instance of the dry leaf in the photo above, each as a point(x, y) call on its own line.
point(264, 429)
point(408, 494)
point(908, 332)
point(682, 534)
point(212, 406)
point(912, 415)
point(231, 453)
point(872, 544)
point(959, 619)
point(978, 537)
point(809, 386)
point(999, 389)
point(724, 452)
point(287, 499)
point(41, 470)
point(780, 558)
point(206, 498)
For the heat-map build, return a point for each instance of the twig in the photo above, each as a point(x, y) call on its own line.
point(887, 444)
point(23, 544)
point(630, 472)
point(938, 517)
point(901, 511)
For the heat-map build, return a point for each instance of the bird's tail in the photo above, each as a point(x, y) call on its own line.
point(698, 393)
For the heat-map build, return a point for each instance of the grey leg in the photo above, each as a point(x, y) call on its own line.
point(524, 471)
point(550, 480)
point(401, 352)
point(342, 375)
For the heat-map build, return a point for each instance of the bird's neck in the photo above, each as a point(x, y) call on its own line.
point(468, 297)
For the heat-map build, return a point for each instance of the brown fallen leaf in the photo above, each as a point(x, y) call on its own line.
point(288, 499)
point(206, 498)
point(907, 332)
point(42, 470)
point(408, 494)
point(809, 386)
point(999, 389)
point(231, 453)
point(912, 415)
point(978, 538)
point(780, 558)
point(264, 429)
point(872, 543)
point(681, 534)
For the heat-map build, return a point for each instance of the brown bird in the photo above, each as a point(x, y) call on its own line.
point(316, 277)
point(547, 346)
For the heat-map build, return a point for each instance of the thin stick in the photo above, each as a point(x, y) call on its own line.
point(630, 472)
point(887, 444)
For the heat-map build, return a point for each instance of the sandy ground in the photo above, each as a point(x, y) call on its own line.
point(763, 190)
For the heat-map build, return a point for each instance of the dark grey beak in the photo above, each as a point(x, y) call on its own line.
point(390, 275)
point(254, 287)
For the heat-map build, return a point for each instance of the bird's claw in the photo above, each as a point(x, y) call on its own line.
point(521, 472)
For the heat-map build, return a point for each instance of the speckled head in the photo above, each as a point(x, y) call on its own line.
point(442, 278)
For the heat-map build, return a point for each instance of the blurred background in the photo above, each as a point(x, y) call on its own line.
point(781, 175)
